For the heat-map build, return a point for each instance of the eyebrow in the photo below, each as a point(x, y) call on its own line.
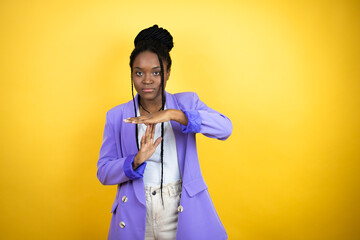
point(141, 68)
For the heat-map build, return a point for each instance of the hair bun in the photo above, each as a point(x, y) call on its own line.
point(156, 33)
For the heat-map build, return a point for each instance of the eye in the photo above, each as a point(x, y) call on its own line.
point(139, 74)
point(156, 73)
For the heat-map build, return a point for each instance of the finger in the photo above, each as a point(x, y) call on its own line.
point(147, 133)
point(157, 142)
point(130, 120)
point(149, 121)
point(151, 136)
point(142, 140)
point(139, 119)
point(153, 132)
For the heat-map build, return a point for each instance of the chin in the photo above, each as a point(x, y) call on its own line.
point(150, 96)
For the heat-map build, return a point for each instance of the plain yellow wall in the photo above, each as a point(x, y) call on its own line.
point(285, 72)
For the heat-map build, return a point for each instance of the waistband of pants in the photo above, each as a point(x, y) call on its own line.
point(172, 189)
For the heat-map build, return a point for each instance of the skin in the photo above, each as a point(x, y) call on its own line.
point(147, 81)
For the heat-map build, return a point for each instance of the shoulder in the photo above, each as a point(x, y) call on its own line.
point(186, 95)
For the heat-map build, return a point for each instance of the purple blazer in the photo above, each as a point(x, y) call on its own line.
point(199, 219)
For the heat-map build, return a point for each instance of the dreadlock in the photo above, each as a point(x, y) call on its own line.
point(160, 42)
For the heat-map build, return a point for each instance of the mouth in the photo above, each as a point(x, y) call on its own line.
point(148, 90)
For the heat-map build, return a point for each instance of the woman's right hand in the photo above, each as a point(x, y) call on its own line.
point(148, 146)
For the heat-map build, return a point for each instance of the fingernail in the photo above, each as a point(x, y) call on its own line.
point(126, 120)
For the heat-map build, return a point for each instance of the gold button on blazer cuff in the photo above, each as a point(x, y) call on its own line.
point(124, 199)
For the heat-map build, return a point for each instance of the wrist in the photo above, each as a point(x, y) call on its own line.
point(135, 163)
point(178, 116)
point(170, 114)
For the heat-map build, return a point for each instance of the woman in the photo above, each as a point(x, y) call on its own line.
point(149, 152)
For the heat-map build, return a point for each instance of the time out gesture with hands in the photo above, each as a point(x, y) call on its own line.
point(148, 146)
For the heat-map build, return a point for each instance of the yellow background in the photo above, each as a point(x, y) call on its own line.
point(285, 72)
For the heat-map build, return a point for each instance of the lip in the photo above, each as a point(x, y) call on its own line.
point(148, 90)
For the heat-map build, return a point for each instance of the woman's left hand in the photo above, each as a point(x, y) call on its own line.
point(156, 117)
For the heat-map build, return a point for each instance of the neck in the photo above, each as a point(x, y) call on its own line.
point(151, 105)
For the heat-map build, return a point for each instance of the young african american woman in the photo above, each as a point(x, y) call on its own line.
point(149, 151)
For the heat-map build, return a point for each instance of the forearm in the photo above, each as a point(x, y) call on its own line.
point(111, 169)
point(202, 119)
point(178, 116)
point(111, 172)
point(215, 125)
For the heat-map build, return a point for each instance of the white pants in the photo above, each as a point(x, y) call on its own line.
point(161, 222)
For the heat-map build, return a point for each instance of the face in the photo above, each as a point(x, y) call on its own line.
point(147, 77)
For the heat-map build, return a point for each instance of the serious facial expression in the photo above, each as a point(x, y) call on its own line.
point(146, 74)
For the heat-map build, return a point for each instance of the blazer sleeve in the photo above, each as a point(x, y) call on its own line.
point(202, 119)
point(112, 170)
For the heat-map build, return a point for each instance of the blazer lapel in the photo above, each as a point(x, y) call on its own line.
point(130, 147)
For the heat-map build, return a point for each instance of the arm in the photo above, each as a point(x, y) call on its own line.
point(194, 116)
point(202, 119)
point(112, 170)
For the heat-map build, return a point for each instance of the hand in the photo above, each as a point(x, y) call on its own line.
point(148, 146)
point(152, 118)
point(158, 117)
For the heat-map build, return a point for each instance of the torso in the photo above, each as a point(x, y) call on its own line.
point(171, 171)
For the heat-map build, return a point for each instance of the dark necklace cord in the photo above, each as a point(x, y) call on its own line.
point(145, 108)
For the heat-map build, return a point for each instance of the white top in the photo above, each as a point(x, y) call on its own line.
point(152, 173)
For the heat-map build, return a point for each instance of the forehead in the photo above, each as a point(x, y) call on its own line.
point(146, 59)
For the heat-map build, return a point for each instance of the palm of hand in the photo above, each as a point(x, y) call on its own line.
point(148, 146)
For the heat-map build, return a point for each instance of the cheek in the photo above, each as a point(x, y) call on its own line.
point(137, 82)
point(159, 85)
point(158, 81)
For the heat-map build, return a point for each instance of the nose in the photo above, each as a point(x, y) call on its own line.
point(147, 79)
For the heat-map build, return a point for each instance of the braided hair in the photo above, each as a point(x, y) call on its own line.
point(160, 42)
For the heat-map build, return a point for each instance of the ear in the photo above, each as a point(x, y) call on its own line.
point(167, 75)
